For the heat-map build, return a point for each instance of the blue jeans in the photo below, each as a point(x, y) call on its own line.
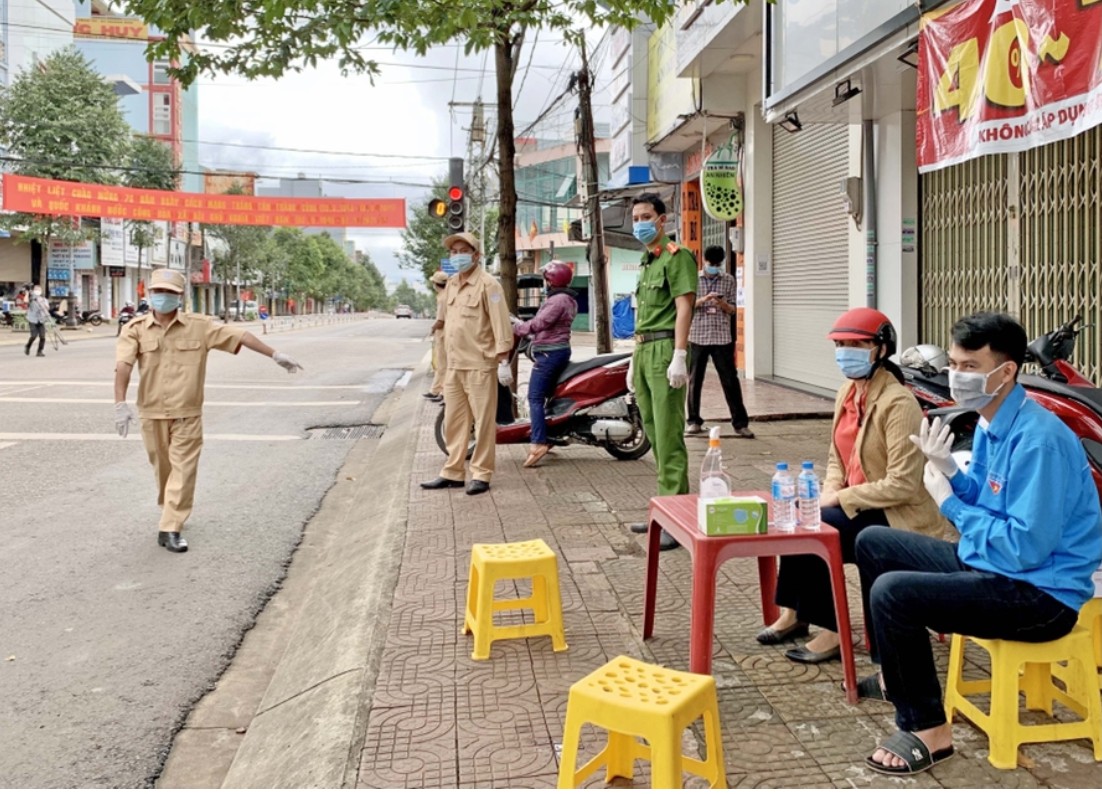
point(545, 376)
point(911, 583)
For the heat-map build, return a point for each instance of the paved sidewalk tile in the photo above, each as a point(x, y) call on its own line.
point(440, 719)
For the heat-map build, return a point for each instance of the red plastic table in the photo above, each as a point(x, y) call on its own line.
point(677, 515)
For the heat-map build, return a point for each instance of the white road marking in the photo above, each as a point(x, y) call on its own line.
point(134, 436)
point(217, 403)
point(6, 444)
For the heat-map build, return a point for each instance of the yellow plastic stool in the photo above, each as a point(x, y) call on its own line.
point(629, 698)
point(1030, 668)
point(1090, 618)
point(531, 559)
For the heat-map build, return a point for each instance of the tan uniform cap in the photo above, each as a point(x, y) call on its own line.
point(466, 237)
point(167, 279)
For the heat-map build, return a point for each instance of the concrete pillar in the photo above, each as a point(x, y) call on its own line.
point(758, 241)
point(898, 211)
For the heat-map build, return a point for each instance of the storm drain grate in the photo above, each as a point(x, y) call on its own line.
point(348, 433)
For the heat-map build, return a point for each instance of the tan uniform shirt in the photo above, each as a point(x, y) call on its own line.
point(172, 361)
point(476, 322)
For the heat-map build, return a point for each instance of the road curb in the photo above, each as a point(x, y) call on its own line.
point(308, 731)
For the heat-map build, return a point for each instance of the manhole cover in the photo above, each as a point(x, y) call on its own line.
point(347, 433)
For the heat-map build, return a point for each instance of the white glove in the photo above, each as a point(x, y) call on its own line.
point(678, 372)
point(286, 362)
point(124, 415)
point(505, 374)
point(937, 485)
point(631, 374)
point(936, 442)
point(515, 320)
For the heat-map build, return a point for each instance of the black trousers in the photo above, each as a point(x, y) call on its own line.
point(724, 358)
point(803, 583)
point(39, 330)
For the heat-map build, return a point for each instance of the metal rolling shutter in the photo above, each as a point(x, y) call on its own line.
point(810, 251)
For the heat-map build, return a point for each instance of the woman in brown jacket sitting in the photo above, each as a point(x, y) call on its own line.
point(874, 477)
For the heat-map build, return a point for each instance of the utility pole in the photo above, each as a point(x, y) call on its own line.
point(587, 148)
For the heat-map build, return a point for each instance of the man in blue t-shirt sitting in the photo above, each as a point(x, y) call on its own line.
point(1030, 538)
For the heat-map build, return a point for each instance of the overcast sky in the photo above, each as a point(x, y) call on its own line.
point(405, 113)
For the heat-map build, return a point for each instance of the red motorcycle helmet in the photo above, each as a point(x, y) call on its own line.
point(865, 324)
point(557, 274)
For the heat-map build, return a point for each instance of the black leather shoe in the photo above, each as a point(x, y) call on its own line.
point(639, 528)
point(442, 482)
point(805, 656)
point(667, 542)
point(172, 541)
point(477, 486)
point(769, 636)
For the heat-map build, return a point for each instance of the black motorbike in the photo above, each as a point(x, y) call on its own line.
point(92, 317)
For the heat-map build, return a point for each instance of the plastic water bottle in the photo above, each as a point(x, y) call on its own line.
point(807, 489)
point(714, 482)
point(784, 500)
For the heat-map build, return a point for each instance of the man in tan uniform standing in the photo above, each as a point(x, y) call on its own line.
point(435, 393)
point(478, 338)
point(170, 348)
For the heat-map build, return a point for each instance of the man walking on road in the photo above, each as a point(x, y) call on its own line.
point(439, 354)
point(665, 294)
point(170, 348)
point(38, 314)
point(711, 337)
point(477, 336)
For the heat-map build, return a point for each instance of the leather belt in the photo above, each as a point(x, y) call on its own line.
point(653, 336)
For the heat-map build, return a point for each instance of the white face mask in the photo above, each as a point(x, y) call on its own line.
point(969, 389)
point(38, 293)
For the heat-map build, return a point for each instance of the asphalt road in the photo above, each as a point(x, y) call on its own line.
point(106, 639)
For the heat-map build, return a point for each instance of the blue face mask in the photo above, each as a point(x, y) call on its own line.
point(853, 361)
point(461, 262)
point(712, 270)
point(164, 302)
point(645, 232)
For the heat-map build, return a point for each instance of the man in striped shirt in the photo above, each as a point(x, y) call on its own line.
point(711, 337)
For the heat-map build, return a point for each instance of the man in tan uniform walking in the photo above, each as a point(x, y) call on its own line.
point(478, 338)
point(435, 393)
point(170, 348)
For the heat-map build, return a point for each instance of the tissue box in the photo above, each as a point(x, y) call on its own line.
point(731, 515)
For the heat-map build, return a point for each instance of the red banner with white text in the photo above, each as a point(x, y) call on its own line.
point(54, 197)
point(1005, 76)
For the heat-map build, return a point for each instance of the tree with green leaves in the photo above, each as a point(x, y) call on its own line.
point(267, 39)
point(60, 120)
point(423, 238)
point(244, 249)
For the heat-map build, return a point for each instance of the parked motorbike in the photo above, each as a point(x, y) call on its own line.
point(91, 316)
point(590, 405)
point(1059, 387)
point(129, 312)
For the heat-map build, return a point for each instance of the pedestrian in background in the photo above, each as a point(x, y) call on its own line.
point(38, 314)
point(477, 338)
point(435, 393)
point(170, 348)
point(550, 330)
point(711, 337)
point(658, 372)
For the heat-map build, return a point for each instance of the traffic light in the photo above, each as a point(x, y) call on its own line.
point(457, 198)
point(438, 208)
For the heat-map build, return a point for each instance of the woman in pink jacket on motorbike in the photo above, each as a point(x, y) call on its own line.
point(550, 332)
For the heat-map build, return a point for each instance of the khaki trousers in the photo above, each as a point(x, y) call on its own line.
point(439, 362)
point(173, 446)
point(470, 397)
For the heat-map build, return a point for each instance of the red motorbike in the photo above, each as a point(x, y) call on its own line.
point(590, 405)
point(1059, 387)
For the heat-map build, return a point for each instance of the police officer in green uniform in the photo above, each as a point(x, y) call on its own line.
point(659, 370)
